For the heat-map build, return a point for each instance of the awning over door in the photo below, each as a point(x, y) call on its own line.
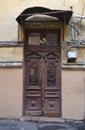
point(62, 15)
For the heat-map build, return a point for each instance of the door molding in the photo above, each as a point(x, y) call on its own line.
point(48, 53)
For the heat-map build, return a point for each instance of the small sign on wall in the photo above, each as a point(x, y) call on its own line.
point(71, 56)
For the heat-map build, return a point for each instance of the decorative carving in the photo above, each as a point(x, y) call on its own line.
point(51, 104)
point(33, 103)
point(52, 55)
point(33, 55)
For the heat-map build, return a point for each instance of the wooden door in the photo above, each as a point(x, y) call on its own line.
point(42, 92)
point(42, 79)
point(33, 90)
point(51, 85)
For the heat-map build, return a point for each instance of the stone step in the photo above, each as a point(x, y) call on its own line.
point(42, 119)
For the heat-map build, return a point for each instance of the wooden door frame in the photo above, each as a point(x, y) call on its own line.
point(26, 46)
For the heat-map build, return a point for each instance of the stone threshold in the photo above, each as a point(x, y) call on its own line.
point(42, 119)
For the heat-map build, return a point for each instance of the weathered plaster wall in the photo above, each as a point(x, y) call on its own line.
point(73, 94)
point(8, 13)
point(81, 55)
point(11, 79)
point(11, 54)
point(11, 92)
point(9, 10)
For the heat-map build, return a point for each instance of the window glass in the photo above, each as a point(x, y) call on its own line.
point(51, 74)
point(51, 38)
point(34, 39)
point(33, 74)
point(48, 39)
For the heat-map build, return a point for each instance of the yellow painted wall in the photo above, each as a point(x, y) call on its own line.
point(81, 55)
point(8, 13)
point(11, 54)
point(9, 10)
point(11, 79)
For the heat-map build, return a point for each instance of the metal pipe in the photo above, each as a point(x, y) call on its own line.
point(75, 28)
point(79, 16)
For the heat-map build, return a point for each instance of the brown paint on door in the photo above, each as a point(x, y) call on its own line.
point(42, 79)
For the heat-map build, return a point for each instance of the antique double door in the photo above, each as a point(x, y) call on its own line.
point(42, 81)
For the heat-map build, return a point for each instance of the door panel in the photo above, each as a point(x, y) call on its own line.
point(33, 88)
point(51, 88)
point(42, 83)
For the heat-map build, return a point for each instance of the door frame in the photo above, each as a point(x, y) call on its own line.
point(27, 47)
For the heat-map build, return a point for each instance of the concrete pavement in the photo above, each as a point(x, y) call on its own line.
point(26, 125)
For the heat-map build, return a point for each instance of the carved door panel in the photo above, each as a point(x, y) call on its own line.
point(51, 85)
point(42, 92)
point(33, 101)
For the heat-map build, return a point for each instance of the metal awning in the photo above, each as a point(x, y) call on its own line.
point(62, 15)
